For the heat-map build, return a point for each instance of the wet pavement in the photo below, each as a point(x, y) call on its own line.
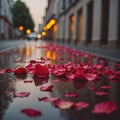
point(90, 92)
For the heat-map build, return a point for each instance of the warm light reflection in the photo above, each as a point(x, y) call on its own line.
point(48, 54)
point(28, 51)
point(54, 56)
point(21, 51)
point(55, 28)
point(44, 44)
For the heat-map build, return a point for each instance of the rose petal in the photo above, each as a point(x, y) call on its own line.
point(20, 71)
point(41, 71)
point(80, 105)
point(46, 99)
point(106, 87)
point(31, 112)
point(71, 95)
point(9, 70)
point(2, 71)
point(104, 108)
point(62, 104)
point(28, 81)
point(48, 88)
point(91, 76)
point(101, 93)
point(22, 94)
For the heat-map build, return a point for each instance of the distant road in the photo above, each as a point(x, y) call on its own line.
point(9, 44)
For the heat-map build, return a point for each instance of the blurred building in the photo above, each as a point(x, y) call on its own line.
point(94, 23)
point(6, 23)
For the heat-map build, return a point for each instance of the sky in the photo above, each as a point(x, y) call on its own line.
point(37, 10)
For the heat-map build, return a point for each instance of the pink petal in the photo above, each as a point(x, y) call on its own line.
point(91, 76)
point(41, 71)
point(106, 87)
point(117, 65)
point(20, 71)
point(27, 81)
point(80, 105)
point(93, 88)
point(71, 95)
point(48, 88)
point(2, 71)
point(104, 108)
point(31, 112)
point(101, 93)
point(62, 104)
point(46, 99)
point(22, 94)
point(56, 81)
point(9, 70)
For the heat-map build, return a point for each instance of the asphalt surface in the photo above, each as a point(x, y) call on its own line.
point(104, 53)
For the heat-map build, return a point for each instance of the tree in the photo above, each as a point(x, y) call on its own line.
point(22, 16)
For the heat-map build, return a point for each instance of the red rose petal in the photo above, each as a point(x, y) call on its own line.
point(71, 95)
point(9, 70)
point(28, 81)
point(31, 112)
point(2, 71)
point(20, 71)
point(101, 93)
point(41, 71)
point(62, 104)
point(93, 88)
point(22, 94)
point(80, 105)
point(104, 108)
point(106, 87)
point(48, 88)
point(91, 76)
point(46, 99)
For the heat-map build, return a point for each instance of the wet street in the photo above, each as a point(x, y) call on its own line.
point(79, 86)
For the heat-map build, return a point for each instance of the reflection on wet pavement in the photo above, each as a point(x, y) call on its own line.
point(50, 55)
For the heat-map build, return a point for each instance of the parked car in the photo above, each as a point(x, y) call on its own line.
point(32, 36)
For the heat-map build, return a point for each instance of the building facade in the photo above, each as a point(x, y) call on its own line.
point(94, 23)
point(6, 27)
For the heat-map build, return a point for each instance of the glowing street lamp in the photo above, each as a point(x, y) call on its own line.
point(28, 31)
point(21, 28)
point(43, 33)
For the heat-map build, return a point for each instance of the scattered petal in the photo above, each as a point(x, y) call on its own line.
point(31, 112)
point(71, 95)
point(9, 70)
point(62, 104)
point(22, 94)
point(20, 71)
point(106, 87)
point(80, 105)
point(2, 71)
point(41, 71)
point(101, 93)
point(46, 99)
point(91, 76)
point(28, 81)
point(104, 108)
point(48, 88)
point(93, 88)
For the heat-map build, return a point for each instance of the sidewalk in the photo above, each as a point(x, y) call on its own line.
point(113, 55)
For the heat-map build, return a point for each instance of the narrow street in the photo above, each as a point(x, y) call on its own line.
point(46, 81)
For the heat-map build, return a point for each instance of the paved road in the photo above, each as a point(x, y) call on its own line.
point(8, 44)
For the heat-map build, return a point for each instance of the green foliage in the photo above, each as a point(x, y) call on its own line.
point(22, 16)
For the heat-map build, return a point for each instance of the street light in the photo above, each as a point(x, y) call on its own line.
point(21, 28)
